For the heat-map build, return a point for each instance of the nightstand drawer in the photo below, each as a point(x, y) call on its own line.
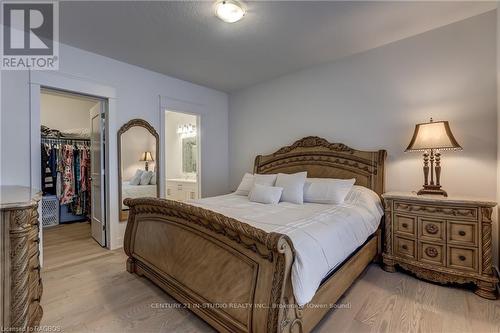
point(432, 253)
point(462, 258)
point(404, 247)
point(462, 233)
point(431, 229)
point(469, 213)
point(405, 224)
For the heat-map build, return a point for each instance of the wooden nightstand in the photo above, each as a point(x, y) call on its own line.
point(445, 240)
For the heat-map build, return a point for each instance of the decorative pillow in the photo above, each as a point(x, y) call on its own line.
point(153, 179)
point(293, 186)
point(265, 194)
point(249, 180)
point(245, 185)
point(267, 180)
point(136, 179)
point(146, 177)
point(327, 190)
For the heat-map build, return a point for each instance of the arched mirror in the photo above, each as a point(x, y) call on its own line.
point(138, 162)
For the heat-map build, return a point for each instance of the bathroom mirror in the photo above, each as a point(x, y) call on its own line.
point(138, 165)
point(189, 154)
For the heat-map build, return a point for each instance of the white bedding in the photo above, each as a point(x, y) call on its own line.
point(323, 235)
point(137, 191)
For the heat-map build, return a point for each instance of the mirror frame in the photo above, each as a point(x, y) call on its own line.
point(133, 123)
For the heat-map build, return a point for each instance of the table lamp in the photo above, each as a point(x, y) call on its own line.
point(430, 138)
point(146, 157)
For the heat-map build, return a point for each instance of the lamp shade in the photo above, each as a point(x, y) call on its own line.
point(146, 156)
point(433, 135)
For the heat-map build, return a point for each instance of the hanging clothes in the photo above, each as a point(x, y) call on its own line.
point(65, 173)
point(67, 177)
point(85, 177)
point(85, 168)
point(48, 181)
point(81, 202)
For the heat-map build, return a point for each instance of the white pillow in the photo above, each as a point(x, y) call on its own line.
point(365, 197)
point(146, 177)
point(136, 179)
point(245, 185)
point(249, 179)
point(265, 194)
point(153, 179)
point(327, 190)
point(293, 186)
point(267, 180)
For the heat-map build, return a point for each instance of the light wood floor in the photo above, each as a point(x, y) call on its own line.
point(86, 289)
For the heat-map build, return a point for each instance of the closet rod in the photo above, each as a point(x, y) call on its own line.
point(64, 140)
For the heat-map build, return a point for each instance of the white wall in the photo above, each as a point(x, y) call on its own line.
point(373, 100)
point(173, 146)
point(64, 112)
point(137, 96)
point(135, 142)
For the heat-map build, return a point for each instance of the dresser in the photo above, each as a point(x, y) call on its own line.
point(180, 189)
point(21, 284)
point(444, 240)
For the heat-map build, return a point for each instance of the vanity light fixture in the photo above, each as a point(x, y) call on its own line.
point(229, 11)
point(186, 129)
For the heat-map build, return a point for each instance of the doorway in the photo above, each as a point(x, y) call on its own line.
point(72, 165)
point(182, 156)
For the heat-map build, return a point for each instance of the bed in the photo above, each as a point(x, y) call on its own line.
point(137, 191)
point(239, 277)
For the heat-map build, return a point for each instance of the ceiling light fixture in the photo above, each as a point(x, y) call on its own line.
point(229, 11)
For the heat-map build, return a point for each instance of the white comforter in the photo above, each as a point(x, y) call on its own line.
point(323, 235)
point(137, 191)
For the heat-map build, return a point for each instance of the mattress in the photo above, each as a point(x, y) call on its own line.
point(323, 235)
point(137, 191)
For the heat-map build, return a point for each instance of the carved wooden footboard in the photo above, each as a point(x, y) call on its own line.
point(231, 274)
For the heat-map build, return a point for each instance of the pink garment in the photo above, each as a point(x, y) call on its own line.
point(85, 169)
point(68, 177)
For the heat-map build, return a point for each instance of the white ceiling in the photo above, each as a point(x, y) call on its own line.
point(185, 40)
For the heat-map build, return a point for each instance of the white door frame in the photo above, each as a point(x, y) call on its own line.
point(187, 107)
point(74, 84)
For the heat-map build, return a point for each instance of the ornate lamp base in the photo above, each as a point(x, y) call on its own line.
point(432, 189)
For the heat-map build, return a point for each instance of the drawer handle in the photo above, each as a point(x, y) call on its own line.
point(431, 229)
point(36, 240)
point(37, 268)
point(461, 233)
point(462, 258)
point(404, 247)
point(405, 225)
point(35, 300)
point(431, 252)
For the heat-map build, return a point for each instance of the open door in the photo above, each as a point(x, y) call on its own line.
point(97, 173)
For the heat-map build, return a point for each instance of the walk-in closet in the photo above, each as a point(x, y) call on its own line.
point(70, 161)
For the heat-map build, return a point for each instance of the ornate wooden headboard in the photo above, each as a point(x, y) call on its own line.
point(322, 159)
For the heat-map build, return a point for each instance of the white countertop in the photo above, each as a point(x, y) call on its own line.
point(183, 180)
